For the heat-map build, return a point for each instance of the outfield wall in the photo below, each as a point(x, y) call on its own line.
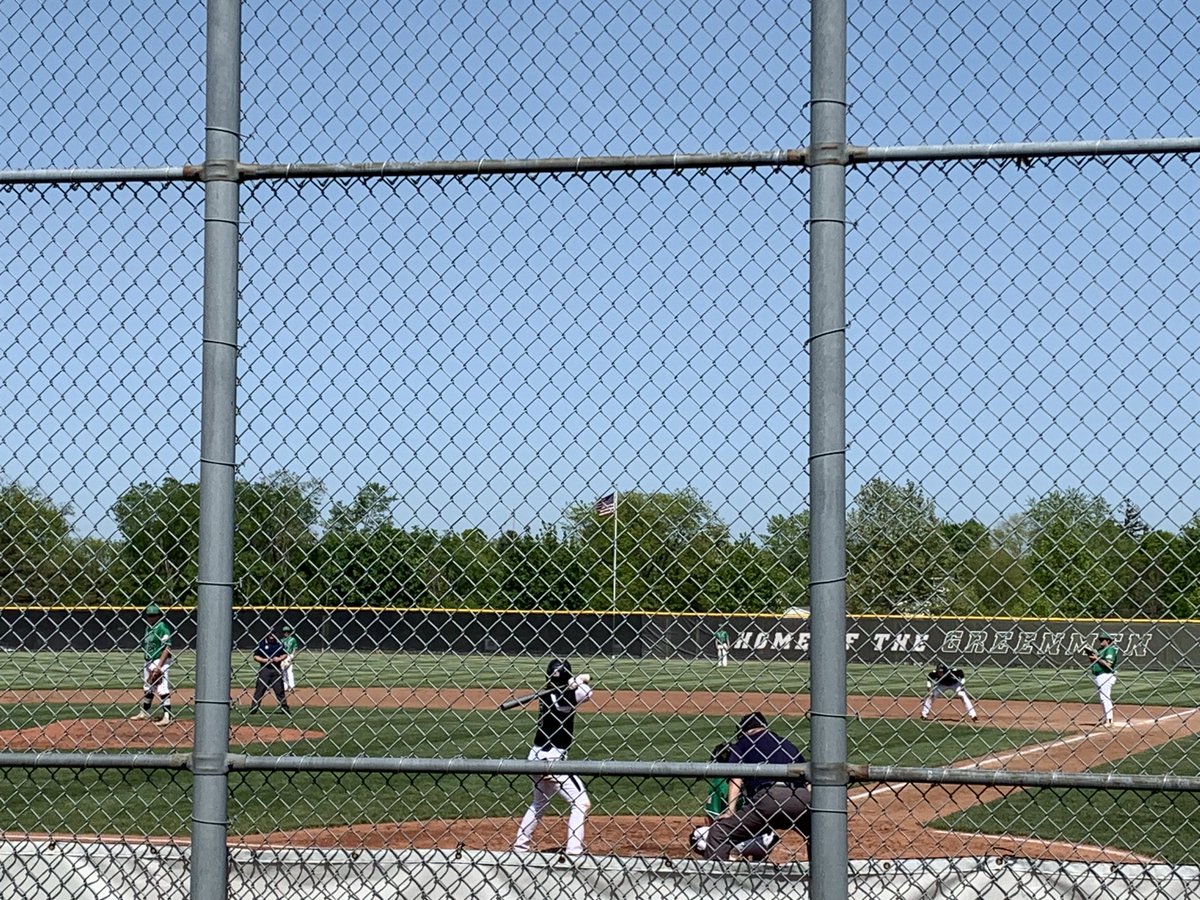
point(1028, 643)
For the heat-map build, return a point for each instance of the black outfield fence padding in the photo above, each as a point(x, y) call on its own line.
point(1028, 643)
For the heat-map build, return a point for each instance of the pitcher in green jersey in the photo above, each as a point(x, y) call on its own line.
point(156, 666)
point(721, 639)
point(291, 644)
point(1103, 668)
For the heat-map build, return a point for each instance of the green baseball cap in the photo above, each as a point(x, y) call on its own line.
point(1104, 636)
point(152, 610)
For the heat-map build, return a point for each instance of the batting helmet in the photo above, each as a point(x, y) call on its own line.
point(558, 671)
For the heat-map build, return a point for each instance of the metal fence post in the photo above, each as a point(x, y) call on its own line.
point(209, 867)
point(827, 452)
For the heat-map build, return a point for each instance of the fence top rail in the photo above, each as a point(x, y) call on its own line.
point(1025, 151)
point(671, 162)
point(62, 760)
point(601, 768)
point(1006, 778)
point(610, 768)
point(797, 157)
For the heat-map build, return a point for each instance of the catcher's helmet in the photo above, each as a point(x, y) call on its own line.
point(558, 671)
point(152, 610)
point(752, 722)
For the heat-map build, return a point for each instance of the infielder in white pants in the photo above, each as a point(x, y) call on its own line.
point(943, 682)
point(292, 645)
point(555, 732)
point(1104, 674)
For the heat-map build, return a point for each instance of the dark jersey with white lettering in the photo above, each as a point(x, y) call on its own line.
point(556, 716)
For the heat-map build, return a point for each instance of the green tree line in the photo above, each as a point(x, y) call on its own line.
point(1065, 554)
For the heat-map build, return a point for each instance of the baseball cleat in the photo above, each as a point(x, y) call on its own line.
point(165, 720)
point(140, 714)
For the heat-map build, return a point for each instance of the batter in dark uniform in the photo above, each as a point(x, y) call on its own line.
point(553, 737)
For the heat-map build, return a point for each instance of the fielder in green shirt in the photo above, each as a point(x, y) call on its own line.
point(156, 653)
point(291, 644)
point(1103, 669)
point(721, 638)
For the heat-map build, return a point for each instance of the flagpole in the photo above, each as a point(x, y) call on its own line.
point(616, 512)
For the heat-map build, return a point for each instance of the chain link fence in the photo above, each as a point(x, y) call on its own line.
point(543, 374)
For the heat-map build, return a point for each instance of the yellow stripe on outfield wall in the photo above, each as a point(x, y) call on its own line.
point(295, 610)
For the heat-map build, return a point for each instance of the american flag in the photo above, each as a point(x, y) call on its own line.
point(606, 506)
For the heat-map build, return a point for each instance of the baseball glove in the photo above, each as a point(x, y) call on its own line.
point(153, 675)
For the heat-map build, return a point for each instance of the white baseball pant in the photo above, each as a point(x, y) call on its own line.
point(545, 787)
point(1104, 689)
point(164, 685)
point(939, 690)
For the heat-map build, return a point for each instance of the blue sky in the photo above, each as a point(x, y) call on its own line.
point(498, 349)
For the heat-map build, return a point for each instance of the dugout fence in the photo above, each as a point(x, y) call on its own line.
point(549, 356)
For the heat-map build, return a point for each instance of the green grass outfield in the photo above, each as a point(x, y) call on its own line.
point(115, 670)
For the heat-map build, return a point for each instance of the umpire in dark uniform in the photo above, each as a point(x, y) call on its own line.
point(269, 654)
point(766, 804)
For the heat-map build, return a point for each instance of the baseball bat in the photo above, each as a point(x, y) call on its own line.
point(514, 702)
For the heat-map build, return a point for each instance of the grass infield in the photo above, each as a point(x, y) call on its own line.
point(1160, 825)
point(140, 802)
point(157, 802)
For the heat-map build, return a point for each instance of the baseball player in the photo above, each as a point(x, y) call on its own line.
point(943, 681)
point(1104, 673)
point(721, 637)
point(553, 736)
point(156, 667)
point(755, 806)
point(269, 654)
point(291, 644)
point(718, 788)
point(755, 848)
